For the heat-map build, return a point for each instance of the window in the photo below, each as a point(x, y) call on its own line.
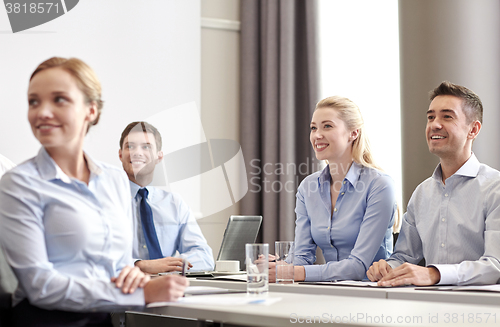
point(359, 59)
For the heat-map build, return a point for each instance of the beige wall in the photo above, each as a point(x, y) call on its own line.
point(455, 40)
point(220, 88)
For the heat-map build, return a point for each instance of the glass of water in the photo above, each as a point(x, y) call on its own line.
point(284, 262)
point(257, 262)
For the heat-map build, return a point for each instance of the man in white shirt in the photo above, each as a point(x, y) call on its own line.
point(173, 227)
point(453, 217)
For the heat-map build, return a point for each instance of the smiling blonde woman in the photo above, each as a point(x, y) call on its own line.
point(347, 209)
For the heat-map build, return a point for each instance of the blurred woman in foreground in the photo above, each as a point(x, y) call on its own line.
point(66, 219)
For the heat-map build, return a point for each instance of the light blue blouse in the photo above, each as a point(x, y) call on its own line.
point(176, 228)
point(356, 234)
point(64, 239)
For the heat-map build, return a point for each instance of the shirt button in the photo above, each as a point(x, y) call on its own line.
point(328, 228)
point(443, 219)
point(145, 247)
point(446, 194)
point(442, 245)
point(335, 210)
point(344, 182)
point(342, 193)
point(331, 246)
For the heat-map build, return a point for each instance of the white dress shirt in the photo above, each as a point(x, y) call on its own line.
point(455, 226)
point(5, 165)
point(63, 239)
point(8, 281)
point(176, 228)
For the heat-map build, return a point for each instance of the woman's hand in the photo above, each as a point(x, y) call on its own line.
point(272, 271)
point(130, 278)
point(299, 273)
point(165, 288)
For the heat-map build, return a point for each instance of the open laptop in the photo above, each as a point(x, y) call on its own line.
point(240, 230)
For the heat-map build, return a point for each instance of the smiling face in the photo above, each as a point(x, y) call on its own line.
point(330, 138)
point(448, 134)
point(139, 156)
point(58, 113)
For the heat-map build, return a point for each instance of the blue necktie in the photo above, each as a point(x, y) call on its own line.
point(148, 227)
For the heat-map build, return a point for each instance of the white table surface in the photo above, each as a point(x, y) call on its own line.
point(348, 311)
point(367, 292)
point(395, 293)
point(483, 298)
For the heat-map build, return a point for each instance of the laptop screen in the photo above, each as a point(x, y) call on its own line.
point(240, 230)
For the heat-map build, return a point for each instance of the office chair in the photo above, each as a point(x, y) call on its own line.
point(8, 283)
point(5, 309)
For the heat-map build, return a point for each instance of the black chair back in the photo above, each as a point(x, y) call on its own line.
point(5, 309)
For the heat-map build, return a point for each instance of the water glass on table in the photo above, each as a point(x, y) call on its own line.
point(284, 252)
point(257, 262)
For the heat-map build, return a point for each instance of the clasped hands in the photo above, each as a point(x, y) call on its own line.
point(406, 274)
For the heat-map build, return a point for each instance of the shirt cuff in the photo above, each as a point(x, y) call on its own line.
point(393, 263)
point(313, 273)
point(449, 275)
point(130, 301)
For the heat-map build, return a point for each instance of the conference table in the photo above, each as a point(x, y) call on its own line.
point(396, 293)
point(297, 304)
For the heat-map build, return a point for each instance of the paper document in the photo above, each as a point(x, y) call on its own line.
point(220, 300)
point(196, 290)
point(229, 300)
point(242, 277)
point(470, 288)
point(356, 283)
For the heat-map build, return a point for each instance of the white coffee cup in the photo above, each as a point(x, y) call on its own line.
point(227, 265)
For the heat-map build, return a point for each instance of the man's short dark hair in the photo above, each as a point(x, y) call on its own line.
point(146, 128)
point(471, 104)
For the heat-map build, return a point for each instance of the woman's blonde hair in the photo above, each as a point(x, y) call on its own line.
point(350, 114)
point(85, 77)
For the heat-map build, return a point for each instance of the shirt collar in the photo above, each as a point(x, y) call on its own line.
point(469, 169)
point(352, 175)
point(134, 188)
point(49, 169)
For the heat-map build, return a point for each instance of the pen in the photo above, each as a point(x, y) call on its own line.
point(184, 266)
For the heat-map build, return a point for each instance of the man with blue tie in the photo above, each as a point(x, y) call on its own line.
point(163, 222)
point(453, 217)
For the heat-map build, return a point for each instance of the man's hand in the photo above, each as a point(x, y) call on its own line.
point(130, 278)
point(165, 288)
point(162, 265)
point(408, 274)
point(378, 270)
